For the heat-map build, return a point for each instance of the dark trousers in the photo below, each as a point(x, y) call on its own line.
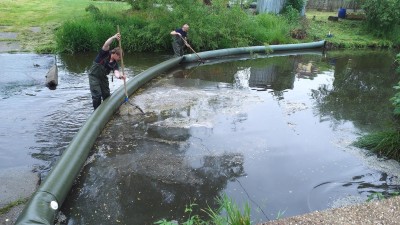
point(178, 45)
point(99, 85)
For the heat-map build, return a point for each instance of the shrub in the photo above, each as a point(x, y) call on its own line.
point(212, 27)
point(92, 8)
point(382, 16)
point(295, 4)
point(75, 37)
point(291, 14)
point(273, 29)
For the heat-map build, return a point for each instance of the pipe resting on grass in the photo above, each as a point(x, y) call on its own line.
point(44, 204)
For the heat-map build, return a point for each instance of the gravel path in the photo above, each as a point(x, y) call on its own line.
point(376, 212)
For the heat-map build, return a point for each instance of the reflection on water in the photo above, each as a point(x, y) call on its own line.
point(37, 124)
point(135, 63)
point(273, 132)
point(359, 92)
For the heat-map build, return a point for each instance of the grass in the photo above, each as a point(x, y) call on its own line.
point(346, 33)
point(231, 213)
point(50, 14)
point(41, 12)
point(46, 14)
point(9, 206)
point(228, 213)
point(385, 143)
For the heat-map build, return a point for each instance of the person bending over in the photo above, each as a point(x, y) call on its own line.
point(105, 61)
point(179, 40)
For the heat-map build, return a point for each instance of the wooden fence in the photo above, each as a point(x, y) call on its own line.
point(333, 5)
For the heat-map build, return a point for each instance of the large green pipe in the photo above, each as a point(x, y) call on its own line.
point(59, 181)
point(253, 49)
point(46, 201)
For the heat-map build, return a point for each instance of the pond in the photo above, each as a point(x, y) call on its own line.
point(273, 132)
point(37, 123)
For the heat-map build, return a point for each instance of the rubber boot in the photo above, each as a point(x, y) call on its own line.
point(96, 103)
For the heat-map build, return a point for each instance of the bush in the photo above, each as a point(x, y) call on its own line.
point(76, 37)
point(92, 9)
point(382, 16)
point(273, 29)
point(295, 4)
point(291, 14)
point(212, 27)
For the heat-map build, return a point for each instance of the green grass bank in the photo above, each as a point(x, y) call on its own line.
point(60, 23)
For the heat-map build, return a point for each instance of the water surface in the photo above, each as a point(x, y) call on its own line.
point(272, 132)
point(37, 123)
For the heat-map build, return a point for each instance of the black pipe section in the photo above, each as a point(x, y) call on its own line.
point(44, 204)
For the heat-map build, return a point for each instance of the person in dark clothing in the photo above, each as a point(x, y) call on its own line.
point(106, 60)
point(179, 40)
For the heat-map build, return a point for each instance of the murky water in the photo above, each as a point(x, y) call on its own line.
point(272, 132)
point(37, 123)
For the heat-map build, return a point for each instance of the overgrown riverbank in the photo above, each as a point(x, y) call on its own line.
point(148, 30)
point(139, 33)
point(386, 143)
